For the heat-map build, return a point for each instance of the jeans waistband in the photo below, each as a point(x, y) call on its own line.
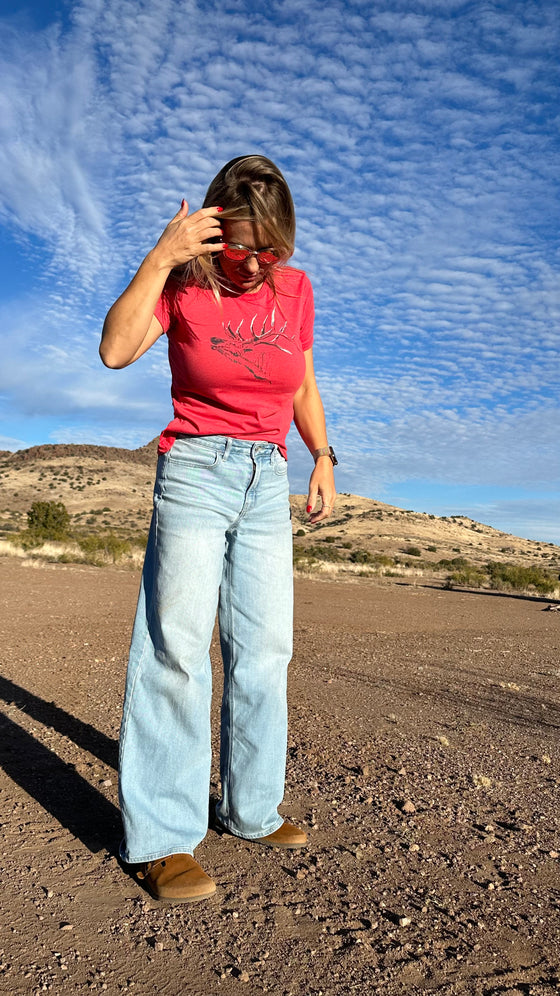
point(230, 444)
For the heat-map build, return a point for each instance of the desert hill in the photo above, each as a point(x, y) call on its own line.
point(55, 451)
point(110, 488)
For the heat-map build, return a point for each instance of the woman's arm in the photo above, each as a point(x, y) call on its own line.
point(130, 327)
point(309, 418)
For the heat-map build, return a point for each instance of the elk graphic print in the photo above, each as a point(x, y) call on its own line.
point(253, 347)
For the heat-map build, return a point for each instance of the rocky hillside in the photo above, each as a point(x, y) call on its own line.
point(111, 488)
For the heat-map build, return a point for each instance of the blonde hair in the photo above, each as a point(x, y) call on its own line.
point(249, 188)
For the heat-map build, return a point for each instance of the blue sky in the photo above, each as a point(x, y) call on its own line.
point(420, 139)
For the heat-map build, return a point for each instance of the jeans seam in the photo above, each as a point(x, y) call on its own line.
point(251, 489)
point(230, 702)
point(149, 610)
point(160, 482)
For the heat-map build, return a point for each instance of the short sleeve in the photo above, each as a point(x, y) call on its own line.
point(307, 315)
point(164, 308)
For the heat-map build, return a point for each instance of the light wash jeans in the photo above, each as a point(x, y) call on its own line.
point(220, 537)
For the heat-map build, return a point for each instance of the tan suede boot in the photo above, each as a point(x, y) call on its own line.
point(287, 836)
point(177, 878)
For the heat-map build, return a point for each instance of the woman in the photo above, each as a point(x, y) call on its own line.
point(239, 324)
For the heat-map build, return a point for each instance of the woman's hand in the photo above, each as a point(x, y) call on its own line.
point(186, 235)
point(321, 485)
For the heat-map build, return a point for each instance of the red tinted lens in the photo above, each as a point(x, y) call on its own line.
point(237, 254)
point(267, 258)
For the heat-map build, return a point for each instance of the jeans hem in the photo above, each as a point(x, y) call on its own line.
point(154, 855)
point(252, 836)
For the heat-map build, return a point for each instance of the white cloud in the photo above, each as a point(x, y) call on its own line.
point(421, 144)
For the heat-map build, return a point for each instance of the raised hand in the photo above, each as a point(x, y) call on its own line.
point(186, 235)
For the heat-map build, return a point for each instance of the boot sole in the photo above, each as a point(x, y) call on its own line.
point(177, 900)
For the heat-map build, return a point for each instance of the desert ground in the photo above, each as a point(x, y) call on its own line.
point(423, 761)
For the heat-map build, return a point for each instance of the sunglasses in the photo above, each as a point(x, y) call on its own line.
point(239, 253)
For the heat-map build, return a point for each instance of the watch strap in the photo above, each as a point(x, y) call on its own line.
point(325, 451)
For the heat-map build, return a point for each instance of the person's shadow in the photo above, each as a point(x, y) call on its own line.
point(54, 783)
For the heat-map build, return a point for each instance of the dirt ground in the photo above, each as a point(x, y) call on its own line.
point(423, 761)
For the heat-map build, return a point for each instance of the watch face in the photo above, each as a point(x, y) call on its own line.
point(333, 456)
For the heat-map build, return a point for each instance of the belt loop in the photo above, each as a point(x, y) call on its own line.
point(227, 447)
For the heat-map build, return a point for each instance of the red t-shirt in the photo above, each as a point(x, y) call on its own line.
point(237, 363)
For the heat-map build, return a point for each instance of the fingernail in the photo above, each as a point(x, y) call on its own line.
point(219, 209)
point(310, 508)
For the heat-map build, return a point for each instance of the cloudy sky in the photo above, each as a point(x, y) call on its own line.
point(420, 140)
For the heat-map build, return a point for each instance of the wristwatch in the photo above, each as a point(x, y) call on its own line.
point(325, 451)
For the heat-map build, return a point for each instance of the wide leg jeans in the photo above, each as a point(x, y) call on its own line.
point(220, 538)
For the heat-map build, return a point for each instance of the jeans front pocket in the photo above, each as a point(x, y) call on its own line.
point(191, 464)
point(194, 451)
point(279, 463)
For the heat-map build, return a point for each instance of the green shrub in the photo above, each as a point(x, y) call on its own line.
point(303, 557)
point(27, 539)
point(48, 520)
point(139, 539)
point(499, 576)
point(468, 577)
point(361, 557)
point(324, 553)
point(455, 562)
point(375, 559)
point(98, 548)
point(382, 560)
point(505, 576)
point(412, 551)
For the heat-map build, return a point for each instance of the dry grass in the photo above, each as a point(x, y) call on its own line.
point(69, 552)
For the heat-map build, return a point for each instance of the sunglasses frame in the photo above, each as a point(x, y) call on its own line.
point(251, 252)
